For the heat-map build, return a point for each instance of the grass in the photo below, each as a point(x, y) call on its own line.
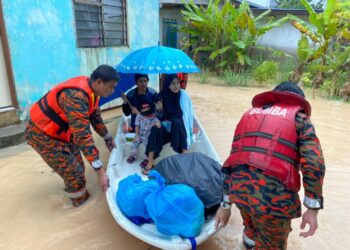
point(203, 77)
point(234, 79)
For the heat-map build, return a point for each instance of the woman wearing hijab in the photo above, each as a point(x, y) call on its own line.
point(177, 108)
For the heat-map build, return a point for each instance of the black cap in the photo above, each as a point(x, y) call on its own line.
point(289, 87)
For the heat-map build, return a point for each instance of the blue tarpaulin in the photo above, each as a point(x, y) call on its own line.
point(126, 82)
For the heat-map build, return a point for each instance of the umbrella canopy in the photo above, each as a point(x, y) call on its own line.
point(157, 59)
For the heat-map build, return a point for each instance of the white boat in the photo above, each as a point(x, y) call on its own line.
point(118, 169)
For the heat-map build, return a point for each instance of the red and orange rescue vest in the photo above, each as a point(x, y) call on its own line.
point(48, 115)
point(266, 137)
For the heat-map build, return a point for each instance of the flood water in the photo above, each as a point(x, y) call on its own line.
point(34, 213)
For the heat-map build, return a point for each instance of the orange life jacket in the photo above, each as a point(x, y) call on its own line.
point(48, 115)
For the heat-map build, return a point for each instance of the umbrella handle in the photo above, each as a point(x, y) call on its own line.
point(160, 82)
point(126, 98)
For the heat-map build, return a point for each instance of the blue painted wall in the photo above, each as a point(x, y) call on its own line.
point(41, 36)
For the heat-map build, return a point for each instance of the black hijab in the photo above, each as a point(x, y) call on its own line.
point(170, 100)
point(144, 101)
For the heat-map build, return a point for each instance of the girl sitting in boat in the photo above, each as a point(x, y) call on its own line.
point(144, 121)
point(177, 121)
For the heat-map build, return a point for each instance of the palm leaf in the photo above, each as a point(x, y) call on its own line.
point(312, 15)
point(215, 53)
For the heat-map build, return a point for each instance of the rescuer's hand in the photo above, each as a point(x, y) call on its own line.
point(222, 217)
point(103, 179)
point(309, 217)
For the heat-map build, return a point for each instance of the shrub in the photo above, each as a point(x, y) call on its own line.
point(284, 69)
point(236, 79)
point(266, 72)
point(203, 76)
point(306, 80)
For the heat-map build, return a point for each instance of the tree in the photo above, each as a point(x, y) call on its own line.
point(226, 33)
point(329, 54)
point(297, 5)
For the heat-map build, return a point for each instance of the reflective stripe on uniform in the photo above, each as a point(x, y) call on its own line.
point(248, 240)
point(77, 194)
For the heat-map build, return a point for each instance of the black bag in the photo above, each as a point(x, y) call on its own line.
point(198, 171)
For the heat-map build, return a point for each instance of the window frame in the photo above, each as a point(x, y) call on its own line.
point(101, 23)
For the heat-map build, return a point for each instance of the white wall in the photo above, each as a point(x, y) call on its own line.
point(261, 3)
point(272, 3)
point(283, 38)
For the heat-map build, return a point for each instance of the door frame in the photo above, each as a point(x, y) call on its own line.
point(7, 57)
point(168, 22)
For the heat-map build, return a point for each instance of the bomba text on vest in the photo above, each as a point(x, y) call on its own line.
point(274, 110)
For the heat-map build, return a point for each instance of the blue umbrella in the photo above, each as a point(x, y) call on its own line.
point(157, 59)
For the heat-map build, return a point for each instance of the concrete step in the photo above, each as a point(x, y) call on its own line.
point(8, 116)
point(12, 135)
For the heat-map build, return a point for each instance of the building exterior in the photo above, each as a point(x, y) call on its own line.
point(285, 37)
point(270, 4)
point(46, 42)
point(169, 18)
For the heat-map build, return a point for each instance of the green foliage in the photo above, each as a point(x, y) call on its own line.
point(303, 50)
point(297, 5)
point(284, 68)
point(227, 34)
point(328, 56)
point(266, 72)
point(236, 79)
point(306, 80)
point(328, 88)
point(203, 76)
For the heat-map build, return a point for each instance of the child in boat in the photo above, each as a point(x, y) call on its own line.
point(144, 121)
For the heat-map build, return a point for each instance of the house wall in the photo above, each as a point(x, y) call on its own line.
point(42, 41)
point(283, 38)
point(272, 3)
point(261, 3)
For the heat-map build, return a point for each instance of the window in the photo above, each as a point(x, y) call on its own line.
point(100, 23)
point(169, 33)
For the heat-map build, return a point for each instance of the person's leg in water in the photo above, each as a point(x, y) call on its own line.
point(271, 233)
point(249, 230)
point(263, 231)
point(79, 173)
point(64, 158)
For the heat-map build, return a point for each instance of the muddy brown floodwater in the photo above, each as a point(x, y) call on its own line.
point(34, 213)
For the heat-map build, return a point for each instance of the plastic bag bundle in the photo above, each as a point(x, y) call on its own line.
point(131, 195)
point(176, 210)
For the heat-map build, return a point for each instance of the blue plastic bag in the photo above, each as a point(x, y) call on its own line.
point(131, 195)
point(176, 210)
